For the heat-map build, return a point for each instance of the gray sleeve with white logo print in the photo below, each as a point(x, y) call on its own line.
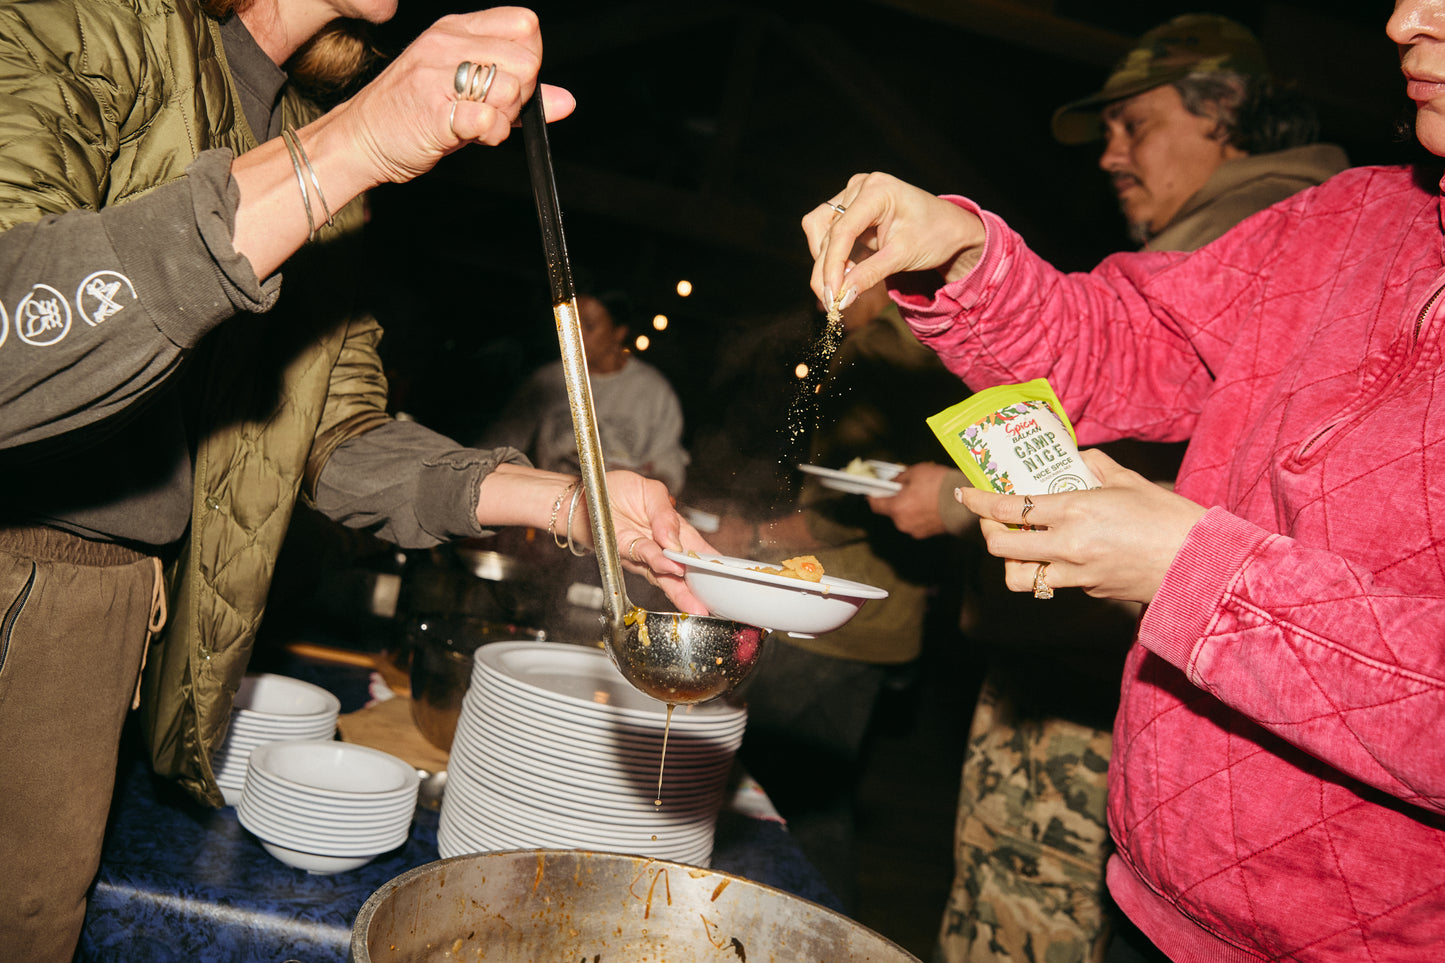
point(98, 308)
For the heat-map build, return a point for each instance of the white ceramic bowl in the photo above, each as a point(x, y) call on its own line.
point(731, 589)
point(279, 698)
point(323, 814)
point(316, 864)
point(341, 770)
point(311, 841)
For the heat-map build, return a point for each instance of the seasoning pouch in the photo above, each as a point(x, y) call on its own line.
point(1014, 439)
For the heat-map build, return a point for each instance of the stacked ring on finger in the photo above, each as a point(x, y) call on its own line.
point(632, 549)
point(473, 81)
point(479, 90)
point(463, 79)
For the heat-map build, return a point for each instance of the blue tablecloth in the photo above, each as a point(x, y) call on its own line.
point(182, 882)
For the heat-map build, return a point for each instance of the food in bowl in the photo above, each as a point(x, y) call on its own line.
point(805, 567)
point(750, 592)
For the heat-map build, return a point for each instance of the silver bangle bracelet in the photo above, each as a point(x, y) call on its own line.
point(295, 138)
point(572, 510)
point(301, 183)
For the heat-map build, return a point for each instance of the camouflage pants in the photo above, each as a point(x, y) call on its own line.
point(1031, 840)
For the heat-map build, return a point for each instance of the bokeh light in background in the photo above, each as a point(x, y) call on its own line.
point(643, 342)
point(659, 322)
point(684, 288)
point(801, 371)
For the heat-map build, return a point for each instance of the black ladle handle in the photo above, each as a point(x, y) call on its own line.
point(544, 192)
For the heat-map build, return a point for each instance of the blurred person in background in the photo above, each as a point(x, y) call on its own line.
point(1196, 137)
point(811, 700)
point(639, 416)
point(1276, 786)
point(164, 403)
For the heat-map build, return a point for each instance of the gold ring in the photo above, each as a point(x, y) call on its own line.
point(1028, 507)
point(632, 549)
point(1042, 590)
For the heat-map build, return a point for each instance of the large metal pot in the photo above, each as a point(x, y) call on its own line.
point(559, 906)
point(441, 650)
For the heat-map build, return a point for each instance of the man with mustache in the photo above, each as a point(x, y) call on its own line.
point(1196, 135)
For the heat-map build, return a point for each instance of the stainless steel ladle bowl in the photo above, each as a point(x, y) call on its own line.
point(674, 657)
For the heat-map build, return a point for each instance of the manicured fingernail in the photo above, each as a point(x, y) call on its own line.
point(849, 296)
point(827, 296)
point(958, 494)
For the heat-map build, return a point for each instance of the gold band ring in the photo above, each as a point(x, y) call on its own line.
point(1028, 507)
point(632, 549)
point(1042, 590)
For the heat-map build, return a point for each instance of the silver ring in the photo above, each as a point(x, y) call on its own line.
point(481, 97)
point(632, 549)
point(838, 208)
point(463, 77)
point(452, 121)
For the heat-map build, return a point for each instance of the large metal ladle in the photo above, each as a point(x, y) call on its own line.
point(671, 656)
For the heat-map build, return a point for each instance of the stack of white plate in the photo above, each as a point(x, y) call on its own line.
point(270, 708)
point(326, 806)
point(554, 749)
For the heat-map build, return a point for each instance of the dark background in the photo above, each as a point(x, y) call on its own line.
point(704, 131)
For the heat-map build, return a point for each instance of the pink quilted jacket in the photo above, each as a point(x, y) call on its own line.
point(1278, 778)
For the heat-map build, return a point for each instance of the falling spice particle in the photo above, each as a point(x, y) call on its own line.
point(803, 412)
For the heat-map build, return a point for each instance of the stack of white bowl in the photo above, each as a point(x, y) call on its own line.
point(327, 806)
point(554, 749)
point(270, 708)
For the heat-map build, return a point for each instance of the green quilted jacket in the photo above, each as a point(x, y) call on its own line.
point(271, 396)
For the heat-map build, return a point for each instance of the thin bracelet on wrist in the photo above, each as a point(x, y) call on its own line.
point(552, 522)
point(295, 138)
point(571, 510)
point(301, 183)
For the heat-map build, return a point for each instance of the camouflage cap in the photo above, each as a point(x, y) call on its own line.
point(1191, 42)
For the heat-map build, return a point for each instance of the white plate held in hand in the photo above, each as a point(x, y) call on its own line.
point(844, 481)
point(731, 589)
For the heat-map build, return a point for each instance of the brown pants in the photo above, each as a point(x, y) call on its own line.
point(75, 617)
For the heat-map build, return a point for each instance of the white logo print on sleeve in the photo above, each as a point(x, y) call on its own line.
point(43, 317)
point(100, 296)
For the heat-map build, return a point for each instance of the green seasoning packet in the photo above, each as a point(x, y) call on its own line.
point(1014, 439)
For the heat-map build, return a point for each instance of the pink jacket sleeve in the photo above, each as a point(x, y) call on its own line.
point(1073, 337)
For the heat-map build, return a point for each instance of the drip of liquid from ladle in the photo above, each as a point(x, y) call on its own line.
point(662, 762)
